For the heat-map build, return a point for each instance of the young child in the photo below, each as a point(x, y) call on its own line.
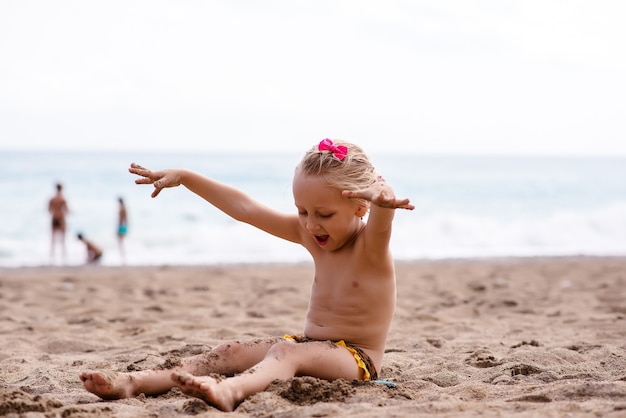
point(352, 297)
point(94, 253)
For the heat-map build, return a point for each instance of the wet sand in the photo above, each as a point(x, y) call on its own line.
point(519, 337)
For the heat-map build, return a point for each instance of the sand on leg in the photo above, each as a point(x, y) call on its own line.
point(227, 359)
point(321, 359)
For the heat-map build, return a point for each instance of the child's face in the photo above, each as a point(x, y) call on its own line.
point(330, 219)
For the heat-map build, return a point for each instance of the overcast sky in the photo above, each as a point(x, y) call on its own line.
point(538, 77)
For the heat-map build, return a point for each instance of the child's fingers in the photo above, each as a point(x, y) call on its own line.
point(404, 204)
point(148, 177)
point(136, 168)
point(393, 203)
point(348, 193)
point(144, 180)
point(141, 171)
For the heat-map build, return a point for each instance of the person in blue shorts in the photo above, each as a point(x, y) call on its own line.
point(122, 227)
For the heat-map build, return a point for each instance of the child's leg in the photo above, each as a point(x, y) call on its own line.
point(285, 359)
point(227, 359)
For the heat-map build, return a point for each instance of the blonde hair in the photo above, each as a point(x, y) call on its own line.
point(354, 172)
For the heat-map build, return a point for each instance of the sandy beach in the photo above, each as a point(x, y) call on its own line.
point(519, 337)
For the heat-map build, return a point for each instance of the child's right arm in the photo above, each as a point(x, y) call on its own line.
point(228, 199)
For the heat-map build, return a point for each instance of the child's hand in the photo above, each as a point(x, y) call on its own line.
point(160, 179)
point(380, 194)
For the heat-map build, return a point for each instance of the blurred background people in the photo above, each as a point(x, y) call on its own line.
point(94, 252)
point(122, 227)
point(58, 209)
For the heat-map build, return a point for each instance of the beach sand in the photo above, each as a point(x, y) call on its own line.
point(519, 337)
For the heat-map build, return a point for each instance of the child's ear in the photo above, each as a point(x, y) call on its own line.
point(361, 211)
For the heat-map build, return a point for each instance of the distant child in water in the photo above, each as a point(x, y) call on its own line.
point(353, 293)
point(94, 253)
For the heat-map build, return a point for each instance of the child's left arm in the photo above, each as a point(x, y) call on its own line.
point(383, 203)
point(380, 194)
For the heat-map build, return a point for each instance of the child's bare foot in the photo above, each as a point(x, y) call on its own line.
point(108, 386)
point(207, 389)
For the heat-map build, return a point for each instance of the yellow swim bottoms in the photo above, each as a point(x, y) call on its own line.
point(362, 359)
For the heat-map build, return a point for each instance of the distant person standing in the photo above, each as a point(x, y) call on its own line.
point(94, 253)
point(57, 206)
point(122, 227)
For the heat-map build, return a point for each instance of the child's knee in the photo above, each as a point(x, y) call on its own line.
point(281, 349)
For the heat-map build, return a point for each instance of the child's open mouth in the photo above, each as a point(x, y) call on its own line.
point(321, 239)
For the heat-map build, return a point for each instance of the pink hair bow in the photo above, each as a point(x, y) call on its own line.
point(339, 151)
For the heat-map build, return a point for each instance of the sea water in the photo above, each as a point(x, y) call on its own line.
point(465, 206)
